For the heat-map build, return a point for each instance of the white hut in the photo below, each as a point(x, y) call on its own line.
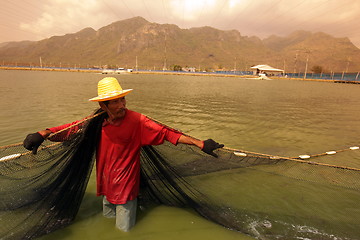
point(267, 70)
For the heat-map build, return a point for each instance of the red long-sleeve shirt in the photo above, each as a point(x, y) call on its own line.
point(118, 154)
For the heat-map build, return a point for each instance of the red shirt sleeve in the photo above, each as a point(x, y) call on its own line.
point(155, 134)
point(63, 136)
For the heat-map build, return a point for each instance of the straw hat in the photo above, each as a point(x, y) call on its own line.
point(108, 89)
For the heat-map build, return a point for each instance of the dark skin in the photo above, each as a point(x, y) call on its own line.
point(116, 110)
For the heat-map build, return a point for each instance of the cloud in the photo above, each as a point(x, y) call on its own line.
point(190, 10)
point(43, 24)
point(64, 16)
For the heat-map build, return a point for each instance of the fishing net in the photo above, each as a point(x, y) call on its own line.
point(267, 197)
point(42, 193)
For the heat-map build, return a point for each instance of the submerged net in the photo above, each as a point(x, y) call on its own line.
point(264, 196)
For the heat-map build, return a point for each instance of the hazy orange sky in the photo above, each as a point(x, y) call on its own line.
point(39, 19)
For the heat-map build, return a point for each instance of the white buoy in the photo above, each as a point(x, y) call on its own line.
point(304, 156)
point(16, 155)
point(354, 148)
point(330, 152)
point(240, 154)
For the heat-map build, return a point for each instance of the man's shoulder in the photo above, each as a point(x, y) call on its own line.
point(133, 116)
point(132, 113)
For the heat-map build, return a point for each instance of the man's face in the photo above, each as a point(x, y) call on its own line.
point(116, 107)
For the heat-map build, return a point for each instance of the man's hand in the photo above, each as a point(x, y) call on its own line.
point(33, 141)
point(210, 145)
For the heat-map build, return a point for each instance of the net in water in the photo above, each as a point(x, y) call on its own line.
point(264, 196)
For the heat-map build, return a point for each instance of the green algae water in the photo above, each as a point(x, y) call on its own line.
point(278, 117)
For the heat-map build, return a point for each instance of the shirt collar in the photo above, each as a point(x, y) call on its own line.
point(105, 122)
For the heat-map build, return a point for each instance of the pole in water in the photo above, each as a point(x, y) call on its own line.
point(306, 66)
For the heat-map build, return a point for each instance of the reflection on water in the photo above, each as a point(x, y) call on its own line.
point(279, 117)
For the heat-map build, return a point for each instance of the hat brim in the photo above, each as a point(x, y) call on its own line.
point(111, 96)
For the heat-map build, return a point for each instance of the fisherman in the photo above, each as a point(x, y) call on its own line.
point(123, 134)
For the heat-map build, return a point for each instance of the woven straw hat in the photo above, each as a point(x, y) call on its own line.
point(108, 89)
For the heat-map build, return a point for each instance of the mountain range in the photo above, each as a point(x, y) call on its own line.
point(138, 43)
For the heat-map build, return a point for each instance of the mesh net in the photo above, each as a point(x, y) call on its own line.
point(41, 193)
point(264, 196)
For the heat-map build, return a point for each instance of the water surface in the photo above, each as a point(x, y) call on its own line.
point(279, 117)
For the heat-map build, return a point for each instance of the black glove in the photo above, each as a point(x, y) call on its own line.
point(210, 145)
point(33, 141)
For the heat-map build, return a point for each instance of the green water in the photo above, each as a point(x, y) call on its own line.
point(278, 117)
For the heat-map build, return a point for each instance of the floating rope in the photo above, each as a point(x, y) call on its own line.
point(18, 155)
point(300, 159)
point(328, 153)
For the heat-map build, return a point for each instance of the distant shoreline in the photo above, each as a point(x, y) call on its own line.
point(99, 71)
